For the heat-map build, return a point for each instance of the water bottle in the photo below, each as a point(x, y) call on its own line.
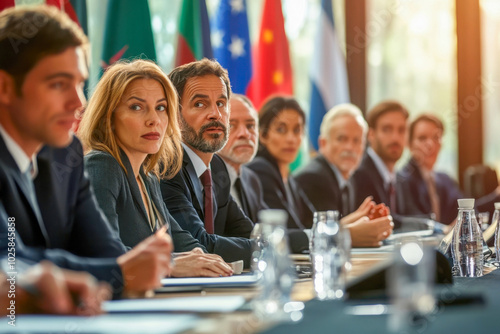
point(329, 258)
point(467, 242)
point(495, 224)
point(273, 264)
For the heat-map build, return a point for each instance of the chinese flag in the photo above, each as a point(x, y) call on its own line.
point(272, 71)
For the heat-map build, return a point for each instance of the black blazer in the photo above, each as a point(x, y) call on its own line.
point(71, 219)
point(321, 186)
point(299, 208)
point(418, 193)
point(121, 201)
point(184, 200)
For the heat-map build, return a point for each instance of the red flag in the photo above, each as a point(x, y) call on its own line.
point(6, 4)
point(65, 6)
point(272, 71)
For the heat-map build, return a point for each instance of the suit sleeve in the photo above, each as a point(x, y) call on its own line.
point(183, 240)
point(177, 197)
point(104, 269)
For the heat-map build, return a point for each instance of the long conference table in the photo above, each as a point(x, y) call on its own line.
point(469, 305)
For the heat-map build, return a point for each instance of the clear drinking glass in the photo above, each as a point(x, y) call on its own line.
point(272, 262)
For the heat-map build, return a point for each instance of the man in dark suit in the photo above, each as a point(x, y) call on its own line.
point(376, 175)
point(240, 149)
point(198, 197)
point(43, 188)
point(326, 180)
point(433, 193)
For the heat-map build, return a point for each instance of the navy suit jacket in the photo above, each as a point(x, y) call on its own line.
point(299, 208)
point(321, 186)
point(418, 193)
point(369, 182)
point(184, 200)
point(71, 221)
point(121, 201)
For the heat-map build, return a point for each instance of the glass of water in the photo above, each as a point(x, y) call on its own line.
point(329, 256)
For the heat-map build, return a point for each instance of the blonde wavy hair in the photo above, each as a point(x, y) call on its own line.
point(96, 129)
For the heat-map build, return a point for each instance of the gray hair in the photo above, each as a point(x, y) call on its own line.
point(345, 109)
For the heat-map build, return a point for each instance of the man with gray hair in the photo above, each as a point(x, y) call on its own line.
point(326, 180)
point(341, 146)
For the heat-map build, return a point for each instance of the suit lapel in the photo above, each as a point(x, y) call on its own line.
point(380, 186)
point(23, 187)
point(134, 187)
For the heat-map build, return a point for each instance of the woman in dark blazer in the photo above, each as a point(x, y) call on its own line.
point(281, 123)
point(130, 128)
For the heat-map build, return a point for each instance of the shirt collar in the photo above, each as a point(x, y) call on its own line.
point(387, 176)
point(22, 160)
point(198, 164)
point(233, 174)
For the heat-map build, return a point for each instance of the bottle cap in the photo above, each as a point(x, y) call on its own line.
point(273, 216)
point(466, 203)
point(497, 205)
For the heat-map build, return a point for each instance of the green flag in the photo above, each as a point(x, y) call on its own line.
point(128, 32)
point(193, 41)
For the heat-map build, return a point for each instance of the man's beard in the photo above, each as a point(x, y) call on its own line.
point(196, 140)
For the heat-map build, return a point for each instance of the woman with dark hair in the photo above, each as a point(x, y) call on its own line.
point(281, 123)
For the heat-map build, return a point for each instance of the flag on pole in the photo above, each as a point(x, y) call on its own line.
point(328, 72)
point(231, 42)
point(193, 42)
point(128, 32)
point(272, 71)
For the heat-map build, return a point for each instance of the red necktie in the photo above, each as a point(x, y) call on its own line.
point(206, 181)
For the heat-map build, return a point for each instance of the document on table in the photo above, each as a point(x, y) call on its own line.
point(206, 304)
point(244, 280)
point(108, 323)
point(382, 249)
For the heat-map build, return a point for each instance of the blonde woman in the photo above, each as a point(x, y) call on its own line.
point(131, 133)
